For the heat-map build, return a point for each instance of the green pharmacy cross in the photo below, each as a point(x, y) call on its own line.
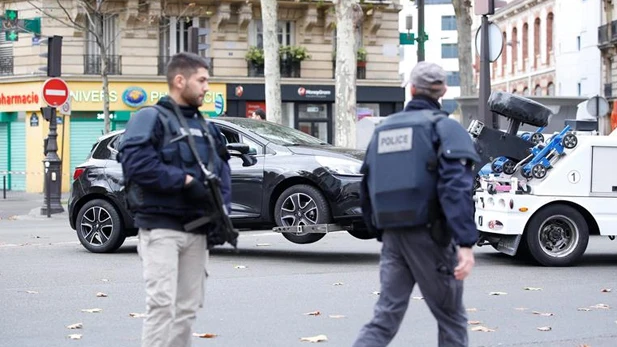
point(11, 35)
point(11, 15)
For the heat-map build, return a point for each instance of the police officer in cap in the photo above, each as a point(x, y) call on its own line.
point(165, 190)
point(417, 199)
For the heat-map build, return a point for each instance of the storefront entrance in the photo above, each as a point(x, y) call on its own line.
point(315, 120)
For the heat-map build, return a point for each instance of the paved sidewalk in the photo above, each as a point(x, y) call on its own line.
point(21, 205)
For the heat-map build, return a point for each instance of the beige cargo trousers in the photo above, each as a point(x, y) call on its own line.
point(174, 270)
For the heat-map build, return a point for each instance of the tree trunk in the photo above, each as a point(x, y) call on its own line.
point(462, 10)
point(272, 69)
point(346, 69)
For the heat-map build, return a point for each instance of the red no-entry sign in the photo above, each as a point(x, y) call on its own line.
point(55, 92)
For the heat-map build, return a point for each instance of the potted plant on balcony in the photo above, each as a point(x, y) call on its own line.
point(295, 55)
point(361, 62)
point(255, 58)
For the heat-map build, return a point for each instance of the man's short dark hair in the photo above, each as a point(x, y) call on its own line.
point(185, 64)
point(261, 113)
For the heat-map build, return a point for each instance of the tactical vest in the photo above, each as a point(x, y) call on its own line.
point(174, 150)
point(402, 176)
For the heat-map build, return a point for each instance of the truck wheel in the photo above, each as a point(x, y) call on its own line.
point(99, 227)
point(301, 205)
point(557, 235)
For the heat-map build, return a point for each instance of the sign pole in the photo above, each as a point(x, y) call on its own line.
point(52, 165)
point(485, 115)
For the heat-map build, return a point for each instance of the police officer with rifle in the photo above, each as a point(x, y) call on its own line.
point(178, 185)
point(417, 199)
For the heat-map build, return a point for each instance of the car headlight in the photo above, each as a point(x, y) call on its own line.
point(346, 167)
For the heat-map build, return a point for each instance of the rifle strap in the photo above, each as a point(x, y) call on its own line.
point(178, 113)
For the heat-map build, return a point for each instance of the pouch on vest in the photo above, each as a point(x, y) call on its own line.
point(403, 170)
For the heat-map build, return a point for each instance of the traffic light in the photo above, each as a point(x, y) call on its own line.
point(195, 39)
point(53, 55)
point(11, 19)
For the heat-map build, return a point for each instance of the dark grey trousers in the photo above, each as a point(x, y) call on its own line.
point(407, 258)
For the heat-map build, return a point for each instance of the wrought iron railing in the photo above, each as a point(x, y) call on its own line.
point(603, 37)
point(613, 33)
point(6, 66)
point(92, 64)
point(164, 59)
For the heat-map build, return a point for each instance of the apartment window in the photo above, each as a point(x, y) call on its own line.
point(448, 23)
point(449, 50)
point(449, 105)
point(454, 79)
point(92, 59)
point(284, 31)
point(175, 37)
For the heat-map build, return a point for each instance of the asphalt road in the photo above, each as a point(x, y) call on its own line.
point(263, 303)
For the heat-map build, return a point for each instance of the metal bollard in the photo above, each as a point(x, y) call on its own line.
point(4, 187)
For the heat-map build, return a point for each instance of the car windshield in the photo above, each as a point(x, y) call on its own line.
point(276, 133)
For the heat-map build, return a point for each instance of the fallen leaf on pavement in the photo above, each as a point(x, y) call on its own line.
point(473, 309)
point(376, 293)
point(545, 314)
point(497, 293)
point(75, 326)
point(263, 244)
point(606, 290)
point(314, 313)
point(313, 339)
point(32, 292)
point(336, 316)
point(337, 284)
point(101, 295)
point(204, 336)
point(75, 336)
point(533, 288)
point(544, 328)
point(474, 322)
point(137, 315)
point(418, 298)
point(105, 280)
point(482, 329)
point(240, 267)
point(12, 218)
point(602, 306)
point(92, 310)
point(583, 309)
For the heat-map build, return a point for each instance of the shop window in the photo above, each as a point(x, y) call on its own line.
point(174, 38)
point(449, 105)
point(287, 114)
point(449, 50)
point(285, 31)
point(92, 58)
point(6, 56)
point(448, 23)
point(367, 110)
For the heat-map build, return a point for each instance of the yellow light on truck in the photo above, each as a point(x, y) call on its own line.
point(523, 209)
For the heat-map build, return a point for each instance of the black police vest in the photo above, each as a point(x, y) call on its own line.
point(174, 150)
point(402, 176)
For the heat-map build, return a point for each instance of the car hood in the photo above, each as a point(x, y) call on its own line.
point(329, 151)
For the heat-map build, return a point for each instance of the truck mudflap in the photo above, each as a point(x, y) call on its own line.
point(311, 229)
point(507, 244)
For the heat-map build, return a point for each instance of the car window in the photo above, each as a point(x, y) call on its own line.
point(230, 135)
point(254, 147)
point(102, 151)
point(233, 136)
point(276, 133)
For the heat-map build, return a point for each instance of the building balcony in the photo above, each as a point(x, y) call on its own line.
point(360, 70)
point(6, 66)
point(92, 64)
point(289, 69)
point(603, 35)
point(164, 59)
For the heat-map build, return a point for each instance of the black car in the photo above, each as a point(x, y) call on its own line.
point(297, 180)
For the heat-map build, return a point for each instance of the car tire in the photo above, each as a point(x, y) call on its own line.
point(519, 108)
point(99, 227)
point(557, 235)
point(312, 206)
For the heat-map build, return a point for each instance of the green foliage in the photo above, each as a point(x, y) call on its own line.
point(361, 54)
point(297, 53)
point(255, 55)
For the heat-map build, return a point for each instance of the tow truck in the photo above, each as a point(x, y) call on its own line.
point(552, 200)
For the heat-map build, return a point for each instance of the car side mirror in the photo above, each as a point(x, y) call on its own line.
point(248, 160)
point(241, 148)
